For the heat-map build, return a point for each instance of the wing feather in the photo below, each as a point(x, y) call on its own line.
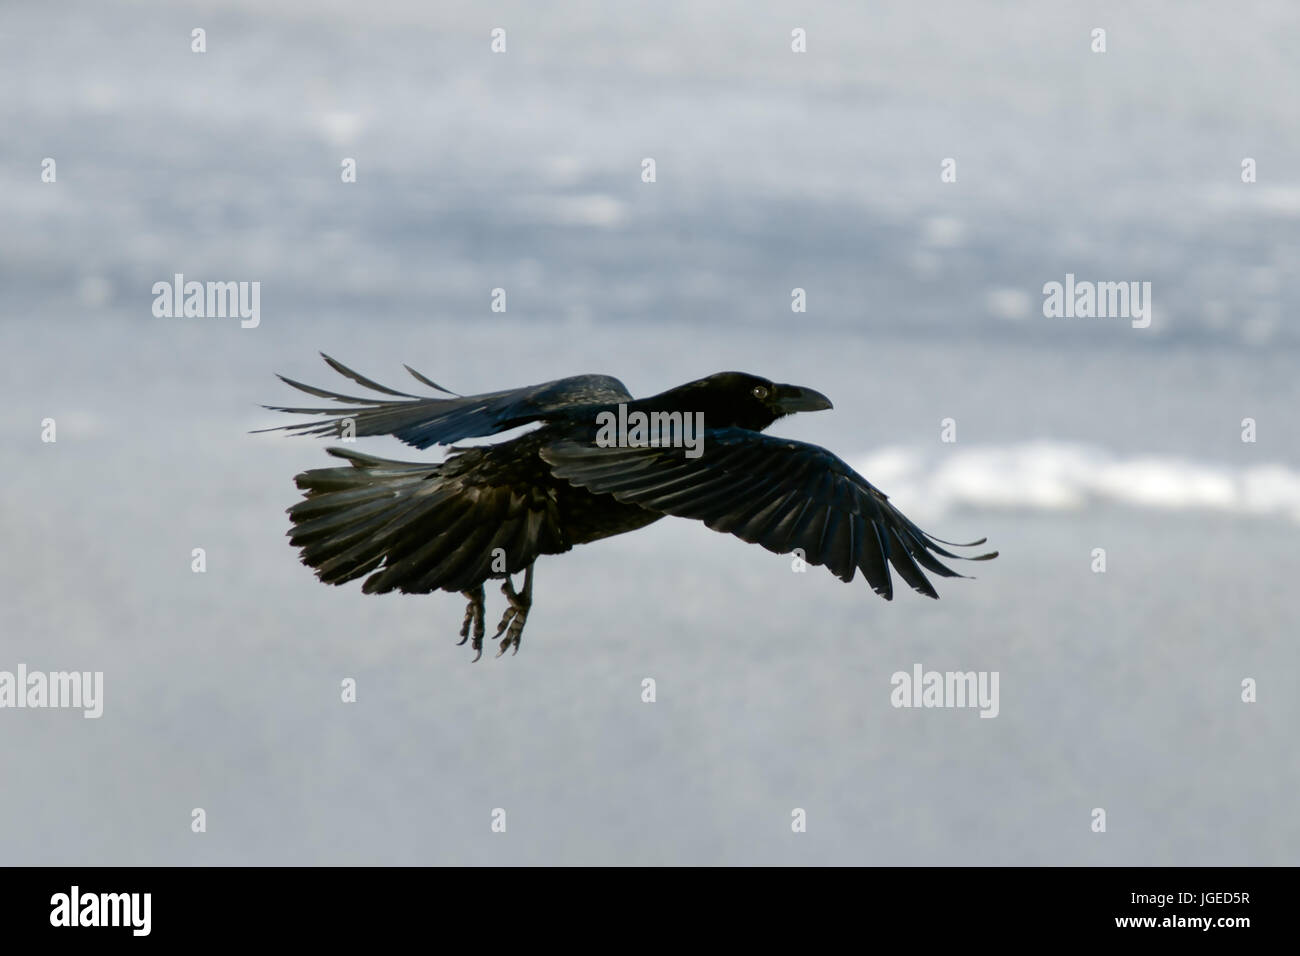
point(425, 421)
point(774, 492)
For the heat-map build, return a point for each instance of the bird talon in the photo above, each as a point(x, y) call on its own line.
point(506, 619)
point(516, 614)
point(474, 613)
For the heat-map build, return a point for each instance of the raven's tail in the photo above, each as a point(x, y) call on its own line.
point(346, 524)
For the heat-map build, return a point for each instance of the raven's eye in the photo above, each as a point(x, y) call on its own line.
point(760, 392)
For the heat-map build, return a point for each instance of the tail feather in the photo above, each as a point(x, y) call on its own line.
point(344, 523)
point(414, 526)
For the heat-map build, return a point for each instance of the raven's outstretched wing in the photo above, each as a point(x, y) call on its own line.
point(421, 421)
point(779, 493)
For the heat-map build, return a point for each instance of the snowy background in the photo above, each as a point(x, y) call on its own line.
point(775, 170)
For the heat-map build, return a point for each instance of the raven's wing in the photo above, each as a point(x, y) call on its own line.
point(779, 493)
point(422, 421)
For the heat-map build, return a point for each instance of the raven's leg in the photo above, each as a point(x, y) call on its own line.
point(516, 614)
point(474, 616)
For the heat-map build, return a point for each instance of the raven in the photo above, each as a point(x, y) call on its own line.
point(489, 511)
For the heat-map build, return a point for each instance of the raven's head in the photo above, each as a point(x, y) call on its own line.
point(743, 401)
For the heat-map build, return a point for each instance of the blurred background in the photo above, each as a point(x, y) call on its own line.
point(775, 170)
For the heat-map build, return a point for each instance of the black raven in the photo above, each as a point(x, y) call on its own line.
point(593, 468)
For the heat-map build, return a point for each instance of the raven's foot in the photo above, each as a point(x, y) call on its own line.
point(474, 618)
point(512, 622)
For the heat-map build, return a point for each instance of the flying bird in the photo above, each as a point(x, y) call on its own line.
point(585, 472)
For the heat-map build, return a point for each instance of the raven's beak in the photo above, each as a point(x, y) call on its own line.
point(793, 398)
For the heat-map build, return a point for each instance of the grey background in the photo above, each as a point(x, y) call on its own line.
point(775, 170)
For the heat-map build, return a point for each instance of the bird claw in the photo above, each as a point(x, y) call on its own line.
point(474, 614)
point(514, 618)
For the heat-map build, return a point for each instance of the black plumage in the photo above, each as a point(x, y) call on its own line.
point(489, 511)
